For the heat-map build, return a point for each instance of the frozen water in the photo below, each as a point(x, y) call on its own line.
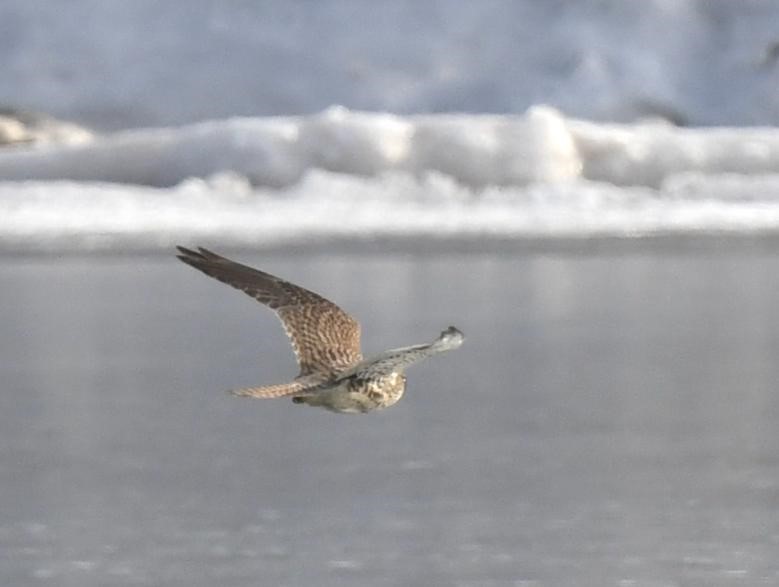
point(611, 420)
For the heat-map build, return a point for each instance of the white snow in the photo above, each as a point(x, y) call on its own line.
point(475, 150)
point(458, 121)
point(19, 127)
point(113, 64)
point(353, 175)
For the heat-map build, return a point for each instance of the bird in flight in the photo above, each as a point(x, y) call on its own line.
point(326, 340)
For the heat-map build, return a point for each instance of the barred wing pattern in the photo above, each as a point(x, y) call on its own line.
point(326, 340)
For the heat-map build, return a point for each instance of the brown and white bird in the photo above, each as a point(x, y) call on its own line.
point(326, 340)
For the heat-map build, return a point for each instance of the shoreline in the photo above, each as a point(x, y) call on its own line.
point(656, 244)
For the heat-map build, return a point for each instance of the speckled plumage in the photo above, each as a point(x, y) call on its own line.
point(326, 340)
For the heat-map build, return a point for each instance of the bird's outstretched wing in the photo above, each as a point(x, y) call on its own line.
point(325, 339)
point(396, 360)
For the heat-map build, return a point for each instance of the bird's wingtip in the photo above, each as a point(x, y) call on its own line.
point(201, 254)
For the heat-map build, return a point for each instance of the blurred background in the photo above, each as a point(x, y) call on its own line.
point(265, 124)
point(588, 189)
point(114, 65)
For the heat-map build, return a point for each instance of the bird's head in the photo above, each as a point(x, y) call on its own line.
point(451, 338)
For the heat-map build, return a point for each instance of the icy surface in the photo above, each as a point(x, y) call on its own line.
point(346, 175)
point(120, 64)
point(610, 421)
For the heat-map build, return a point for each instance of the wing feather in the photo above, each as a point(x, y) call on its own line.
point(397, 360)
point(324, 337)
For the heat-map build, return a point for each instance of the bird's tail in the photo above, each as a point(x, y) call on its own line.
point(270, 391)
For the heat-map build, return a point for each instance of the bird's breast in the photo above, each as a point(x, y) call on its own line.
point(382, 392)
point(358, 395)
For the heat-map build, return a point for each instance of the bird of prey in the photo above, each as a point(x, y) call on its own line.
point(326, 340)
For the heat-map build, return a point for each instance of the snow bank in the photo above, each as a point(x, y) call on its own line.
point(30, 128)
point(474, 150)
point(344, 175)
point(327, 207)
point(117, 65)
